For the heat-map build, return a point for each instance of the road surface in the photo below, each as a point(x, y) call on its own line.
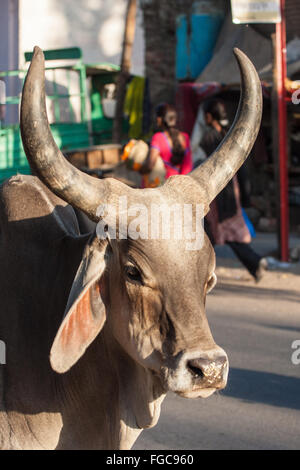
point(260, 408)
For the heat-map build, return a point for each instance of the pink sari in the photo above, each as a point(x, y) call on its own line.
point(160, 142)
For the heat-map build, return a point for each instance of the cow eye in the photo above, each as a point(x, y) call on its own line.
point(211, 283)
point(133, 274)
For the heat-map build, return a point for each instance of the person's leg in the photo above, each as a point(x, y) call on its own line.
point(247, 256)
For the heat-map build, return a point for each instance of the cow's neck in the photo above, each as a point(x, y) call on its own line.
point(140, 397)
point(107, 398)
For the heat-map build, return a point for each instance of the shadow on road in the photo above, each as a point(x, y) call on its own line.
point(263, 387)
point(282, 327)
point(227, 288)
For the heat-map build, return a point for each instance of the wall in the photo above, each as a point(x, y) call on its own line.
point(9, 49)
point(96, 26)
point(160, 46)
point(161, 18)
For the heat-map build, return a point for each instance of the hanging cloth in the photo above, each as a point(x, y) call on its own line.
point(133, 106)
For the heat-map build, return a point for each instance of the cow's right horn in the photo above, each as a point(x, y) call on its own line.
point(222, 165)
point(75, 187)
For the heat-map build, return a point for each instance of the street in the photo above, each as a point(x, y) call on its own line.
point(260, 408)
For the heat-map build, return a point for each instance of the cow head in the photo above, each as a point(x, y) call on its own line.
point(149, 292)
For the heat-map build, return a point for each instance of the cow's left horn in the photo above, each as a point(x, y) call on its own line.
point(66, 181)
point(222, 165)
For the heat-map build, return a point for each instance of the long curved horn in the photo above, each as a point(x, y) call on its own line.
point(221, 166)
point(45, 158)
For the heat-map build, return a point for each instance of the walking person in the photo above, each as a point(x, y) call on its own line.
point(225, 222)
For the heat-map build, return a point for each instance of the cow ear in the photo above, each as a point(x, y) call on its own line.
point(85, 312)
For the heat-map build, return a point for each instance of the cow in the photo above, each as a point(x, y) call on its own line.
point(98, 329)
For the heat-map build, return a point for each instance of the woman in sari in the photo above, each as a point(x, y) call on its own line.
point(168, 143)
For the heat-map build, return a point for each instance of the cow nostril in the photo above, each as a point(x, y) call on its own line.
point(210, 370)
point(196, 371)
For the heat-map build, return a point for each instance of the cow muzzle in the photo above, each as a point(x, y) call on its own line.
point(199, 374)
point(209, 374)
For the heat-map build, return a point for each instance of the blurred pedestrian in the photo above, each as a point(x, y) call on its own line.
point(168, 143)
point(225, 222)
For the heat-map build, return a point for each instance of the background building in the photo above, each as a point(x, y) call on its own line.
point(94, 25)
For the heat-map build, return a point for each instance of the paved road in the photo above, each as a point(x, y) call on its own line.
point(260, 408)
